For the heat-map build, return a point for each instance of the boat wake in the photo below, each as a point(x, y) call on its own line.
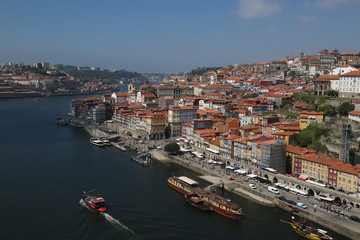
point(112, 220)
point(117, 223)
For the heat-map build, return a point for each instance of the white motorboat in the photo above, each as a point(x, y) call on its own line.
point(97, 142)
point(106, 141)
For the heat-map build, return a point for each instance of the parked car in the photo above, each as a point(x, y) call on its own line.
point(253, 186)
point(282, 198)
point(273, 190)
point(355, 218)
point(291, 202)
point(301, 205)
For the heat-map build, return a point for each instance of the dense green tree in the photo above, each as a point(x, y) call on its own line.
point(345, 107)
point(329, 110)
point(310, 135)
point(202, 70)
point(318, 147)
point(111, 77)
point(331, 93)
point(292, 75)
point(253, 95)
point(172, 147)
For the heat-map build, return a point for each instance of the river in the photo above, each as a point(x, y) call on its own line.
point(45, 168)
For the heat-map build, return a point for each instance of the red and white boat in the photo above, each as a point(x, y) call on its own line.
point(94, 202)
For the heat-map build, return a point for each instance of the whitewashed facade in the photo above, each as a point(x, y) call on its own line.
point(349, 84)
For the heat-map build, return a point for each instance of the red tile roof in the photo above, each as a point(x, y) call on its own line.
point(353, 73)
point(355, 113)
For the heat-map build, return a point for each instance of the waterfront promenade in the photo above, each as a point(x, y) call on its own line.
point(330, 216)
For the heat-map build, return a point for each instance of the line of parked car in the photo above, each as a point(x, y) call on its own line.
point(299, 204)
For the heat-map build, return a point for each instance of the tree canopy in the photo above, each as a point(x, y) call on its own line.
point(252, 95)
point(345, 107)
point(89, 75)
point(172, 147)
point(329, 110)
point(310, 135)
point(202, 70)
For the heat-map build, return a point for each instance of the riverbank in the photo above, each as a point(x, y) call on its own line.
point(333, 222)
point(239, 185)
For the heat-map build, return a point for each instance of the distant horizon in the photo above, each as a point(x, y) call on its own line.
point(109, 68)
point(178, 36)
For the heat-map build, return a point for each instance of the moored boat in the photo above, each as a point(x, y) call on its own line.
point(307, 231)
point(197, 201)
point(106, 141)
point(94, 202)
point(144, 159)
point(220, 205)
point(97, 142)
point(182, 184)
point(60, 121)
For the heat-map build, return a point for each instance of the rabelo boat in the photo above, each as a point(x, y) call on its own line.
point(307, 231)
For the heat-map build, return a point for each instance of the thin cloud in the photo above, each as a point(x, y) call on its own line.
point(258, 8)
point(330, 4)
point(270, 29)
point(307, 19)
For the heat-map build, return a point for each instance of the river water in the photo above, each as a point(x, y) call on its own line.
point(44, 169)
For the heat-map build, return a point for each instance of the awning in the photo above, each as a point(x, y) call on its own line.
point(184, 150)
point(298, 191)
point(303, 177)
point(252, 175)
point(326, 198)
point(270, 169)
point(212, 150)
point(188, 181)
point(199, 155)
point(240, 171)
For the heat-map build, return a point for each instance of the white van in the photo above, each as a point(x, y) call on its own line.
point(273, 190)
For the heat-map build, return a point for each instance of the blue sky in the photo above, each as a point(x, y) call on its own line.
point(173, 35)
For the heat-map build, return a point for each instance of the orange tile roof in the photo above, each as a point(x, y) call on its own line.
point(327, 77)
point(284, 133)
point(318, 159)
point(353, 73)
point(345, 167)
point(355, 113)
point(135, 106)
point(290, 128)
point(187, 124)
point(298, 104)
point(311, 113)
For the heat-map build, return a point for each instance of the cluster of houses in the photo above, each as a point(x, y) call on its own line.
point(223, 116)
point(15, 82)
